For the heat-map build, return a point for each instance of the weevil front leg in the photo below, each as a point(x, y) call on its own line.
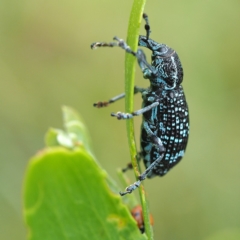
point(157, 143)
point(147, 69)
point(101, 104)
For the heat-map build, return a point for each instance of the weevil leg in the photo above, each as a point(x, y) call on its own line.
point(156, 142)
point(101, 104)
point(129, 165)
point(146, 68)
point(142, 177)
point(121, 115)
point(95, 45)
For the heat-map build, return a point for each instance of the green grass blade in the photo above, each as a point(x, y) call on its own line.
point(130, 62)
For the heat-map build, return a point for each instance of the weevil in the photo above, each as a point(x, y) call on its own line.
point(165, 124)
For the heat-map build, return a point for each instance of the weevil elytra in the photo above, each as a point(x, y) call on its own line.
point(165, 125)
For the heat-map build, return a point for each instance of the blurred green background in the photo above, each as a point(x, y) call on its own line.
point(46, 61)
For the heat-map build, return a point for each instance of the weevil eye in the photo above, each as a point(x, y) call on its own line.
point(162, 50)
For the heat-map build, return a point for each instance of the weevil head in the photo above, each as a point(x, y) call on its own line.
point(168, 68)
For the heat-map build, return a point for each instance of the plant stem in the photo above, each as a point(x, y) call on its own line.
point(130, 61)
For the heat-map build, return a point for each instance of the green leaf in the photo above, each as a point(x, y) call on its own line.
point(75, 134)
point(58, 137)
point(75, 127)
point(66, 196)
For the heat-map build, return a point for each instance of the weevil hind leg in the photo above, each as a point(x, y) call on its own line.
point(142, 177)
point(155, 141)
point(129, 166)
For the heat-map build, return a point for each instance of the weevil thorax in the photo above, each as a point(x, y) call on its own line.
point(168, 69)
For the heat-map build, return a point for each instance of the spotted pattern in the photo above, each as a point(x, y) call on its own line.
point(169, 121)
